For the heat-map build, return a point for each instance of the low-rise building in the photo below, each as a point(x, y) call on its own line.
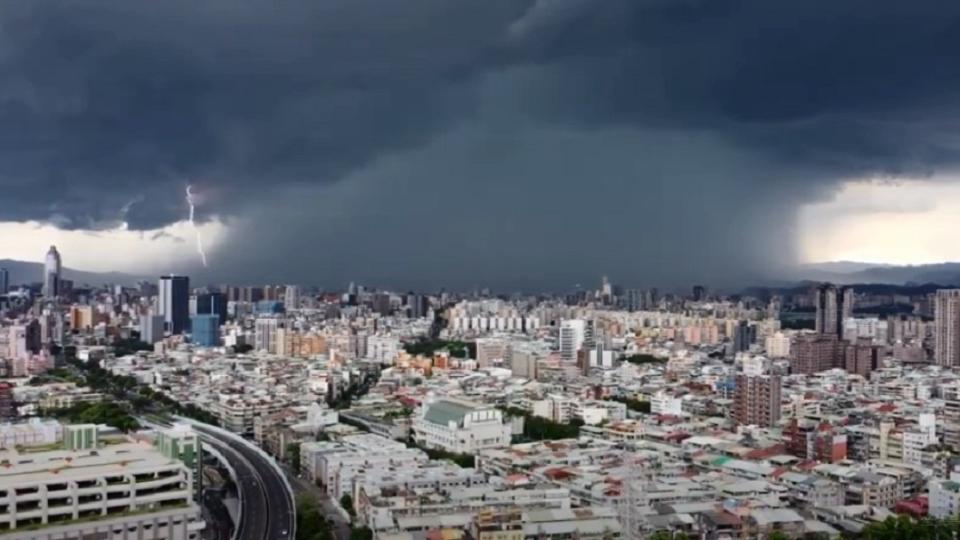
point(460, 426)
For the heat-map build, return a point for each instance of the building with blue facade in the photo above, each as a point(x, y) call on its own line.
point(205, 330)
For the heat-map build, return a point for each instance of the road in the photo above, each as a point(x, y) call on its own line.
point(268, 511)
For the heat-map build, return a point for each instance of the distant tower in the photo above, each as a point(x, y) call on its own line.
point(173, 303)
point(833, 307)
point(51, 273)
point(699, 293)
point(291, 297)
point(4, 281)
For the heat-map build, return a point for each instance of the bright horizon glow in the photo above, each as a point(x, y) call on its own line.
point(907, 222)
point(119, 249)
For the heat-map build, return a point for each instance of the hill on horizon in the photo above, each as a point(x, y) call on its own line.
point(26, 272)
point(847, 272)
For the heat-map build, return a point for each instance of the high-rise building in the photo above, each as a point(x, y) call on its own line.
point(265, 334)
point(291, 297)
point(4, 281)
point(7, 410)
point(151, 328)
point(213, 303)
point(173, 303)
point(205, 330)
point(24, 340)
point(756, 400)
point(634, 300)
point(946, 327)
point(699, 293)
point(51, 273)
point(744, 335)
point(524, 359)
point(417, 305)
point(862, 357)
point(951, 416)
point(833, 307)
point(575, 334)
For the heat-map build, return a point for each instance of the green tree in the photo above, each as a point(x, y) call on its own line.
point(293, 456)
point(347, 503)
point(361, 533)
point(645, 359)
point(311, 524)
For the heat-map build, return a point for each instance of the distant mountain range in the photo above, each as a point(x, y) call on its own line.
point(24, 272)
point(844, 272)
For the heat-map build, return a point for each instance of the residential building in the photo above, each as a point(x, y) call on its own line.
point(833, 307)
point(947, 327)
point(756, 400)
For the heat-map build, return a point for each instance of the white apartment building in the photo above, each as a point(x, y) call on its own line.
point(944, 498)
point(664, 403)
point(336, 465)
point(778, 345)
point(383, 349)
point(574, 335)
point(460, 426)
point(35, 432)
point(870, 327)
point(116, 491)
point(265, 334)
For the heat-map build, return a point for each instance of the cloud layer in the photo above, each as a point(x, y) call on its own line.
point(654, 139)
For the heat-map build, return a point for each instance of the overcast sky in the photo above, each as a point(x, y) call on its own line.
point(513, 144)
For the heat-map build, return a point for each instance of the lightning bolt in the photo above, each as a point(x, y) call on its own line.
point(190, 203)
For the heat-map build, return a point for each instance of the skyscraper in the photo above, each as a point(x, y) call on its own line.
point(173, 303)
point(946, 327)
point(51, 273)
point(833, 307)
point(213, 303)
point(4, 281)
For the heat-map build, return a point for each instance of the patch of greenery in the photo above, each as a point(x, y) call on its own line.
point(640, 359)
point(361, 533)
point(123, 347)
point(347, 503)
point(311, 523)
point(636, 405)
point(293, 456)
point(537, 428)
point(427, 347)
point(106, 412)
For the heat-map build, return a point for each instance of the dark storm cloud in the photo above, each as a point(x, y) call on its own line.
point(108, 109)
point(105, 102)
